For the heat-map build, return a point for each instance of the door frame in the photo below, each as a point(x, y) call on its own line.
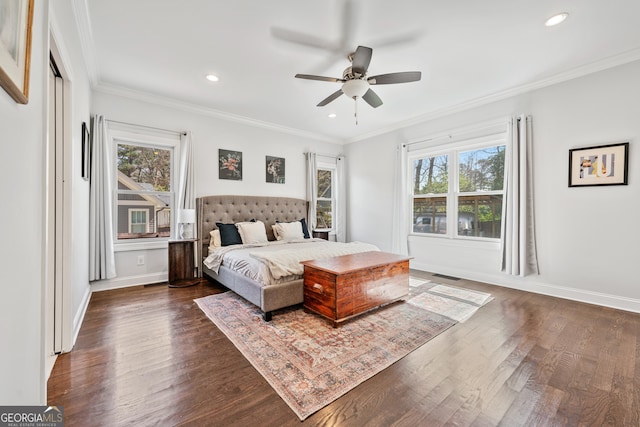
point(57, 272)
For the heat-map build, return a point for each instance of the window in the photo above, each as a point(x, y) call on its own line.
point(144, 195)
point(138, 221)
point(459, 192)
point(325, 205)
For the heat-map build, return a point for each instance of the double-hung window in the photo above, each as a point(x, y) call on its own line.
point(144, 181)
point(458, 192)
point(326, 203)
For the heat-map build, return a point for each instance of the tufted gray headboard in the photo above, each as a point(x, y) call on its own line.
point(232, 209)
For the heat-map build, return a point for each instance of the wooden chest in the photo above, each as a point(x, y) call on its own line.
point(342, 287)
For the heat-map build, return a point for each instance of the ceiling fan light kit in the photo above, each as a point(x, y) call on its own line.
point(355, 88)
point(356, 84)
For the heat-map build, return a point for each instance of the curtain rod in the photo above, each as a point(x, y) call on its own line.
point(332, 156)
point(462, 131)
point(148, 127)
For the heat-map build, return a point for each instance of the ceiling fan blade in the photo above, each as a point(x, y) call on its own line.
point(330, 98)
point(372, 98)
point(361, 60)
point(302, 39)
point(320, 78)
point(387, 79)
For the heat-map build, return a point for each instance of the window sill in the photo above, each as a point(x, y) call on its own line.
point(140, 246)
point(477, 242)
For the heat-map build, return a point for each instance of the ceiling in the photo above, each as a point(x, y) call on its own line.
point(468, 51)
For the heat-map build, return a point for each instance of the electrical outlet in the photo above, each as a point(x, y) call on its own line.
point(140, 259)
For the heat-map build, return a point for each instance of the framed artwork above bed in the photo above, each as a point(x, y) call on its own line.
point(274, 169)
point(230, 164)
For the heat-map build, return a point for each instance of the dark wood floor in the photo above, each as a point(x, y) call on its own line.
point(149, 356)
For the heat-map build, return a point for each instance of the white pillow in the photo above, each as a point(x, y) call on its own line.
point(288, 230)
point(252, 232)
point(215, 241)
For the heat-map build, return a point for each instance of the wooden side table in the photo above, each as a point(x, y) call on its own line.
point(320, 234)
point(181, 263)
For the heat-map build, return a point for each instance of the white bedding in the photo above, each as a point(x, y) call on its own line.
point(279, 261)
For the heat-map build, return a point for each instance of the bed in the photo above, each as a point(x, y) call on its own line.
point(283, 289)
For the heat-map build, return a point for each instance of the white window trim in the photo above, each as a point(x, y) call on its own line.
point(146, 137)
point(452, 150)
point(333, 168)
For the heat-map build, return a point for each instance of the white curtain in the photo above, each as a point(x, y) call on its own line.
point(341, 200)
point(519, 256)
point(186, 195)
point(312, 189)
point(101, 257)
point(400, 214)
point(186, 186)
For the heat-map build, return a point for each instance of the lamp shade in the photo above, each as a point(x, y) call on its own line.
point(187, 216)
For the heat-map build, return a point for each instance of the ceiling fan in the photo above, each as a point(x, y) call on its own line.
point(355, 83)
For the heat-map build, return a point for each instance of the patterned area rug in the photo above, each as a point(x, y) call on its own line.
point(309, 363)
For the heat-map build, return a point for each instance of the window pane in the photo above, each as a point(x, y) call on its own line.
point(324, 184)
point(147, 168)
point(430, 215)
point(431, 175)
point(324, 214)
point(482, 170)
point(138, 221)
point(480, 216)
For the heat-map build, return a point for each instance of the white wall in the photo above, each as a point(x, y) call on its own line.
point(210, 133)
point(21, 252)
point(23, 166)
point(586, 237)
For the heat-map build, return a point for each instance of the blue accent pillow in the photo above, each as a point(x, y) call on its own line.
point(229, 234)
point(305, 229)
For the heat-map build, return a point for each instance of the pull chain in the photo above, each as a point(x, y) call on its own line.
point(355, 101)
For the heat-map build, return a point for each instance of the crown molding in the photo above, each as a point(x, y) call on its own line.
point(110, 89)
point(593, 67)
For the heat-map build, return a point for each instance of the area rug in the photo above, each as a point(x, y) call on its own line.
point(307, 361)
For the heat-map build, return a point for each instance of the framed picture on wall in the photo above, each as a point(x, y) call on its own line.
point(599, 165)
point(274, 167)
point(86, 152)
point(230, 164)
point(16, 17)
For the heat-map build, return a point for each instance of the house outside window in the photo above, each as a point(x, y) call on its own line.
point(326, 203)
point(458, 192)
point(144, 195)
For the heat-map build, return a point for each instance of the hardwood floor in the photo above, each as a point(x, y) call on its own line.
point(149, 356)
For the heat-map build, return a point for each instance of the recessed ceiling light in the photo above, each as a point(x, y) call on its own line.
point(556, 19)
point(212, 78)
point(331, 115)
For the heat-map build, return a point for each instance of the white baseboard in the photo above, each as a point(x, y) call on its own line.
point(79, 317)
point(531, 285)
point(124, 282)
point(50, 361)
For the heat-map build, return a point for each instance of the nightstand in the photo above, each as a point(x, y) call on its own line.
point(320, 234)
point(181, 263)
